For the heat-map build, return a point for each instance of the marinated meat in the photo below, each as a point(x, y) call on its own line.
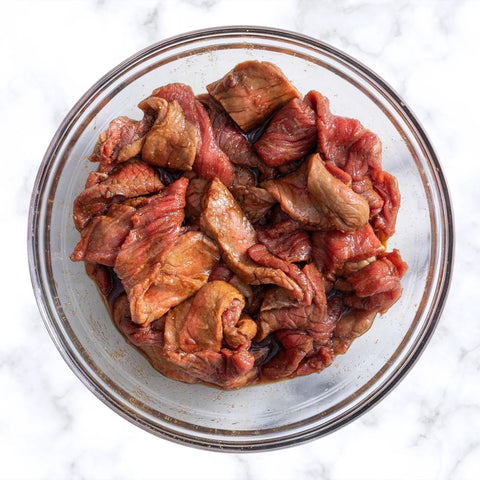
point(384, 222)
point(287, 240)
point(196, 330)
point(223, 220)
point(210, 160)
point(280, 310)
point(344, 209)
point(130, 179)
point(251, 92)
point(254, 201)
point(351, 326)
point(331, 250)
point(104, 235)
point(239, 236)
point(377, 286)
point(290, 135)
point(335, 134)
point(172, 140)
point(231, 140)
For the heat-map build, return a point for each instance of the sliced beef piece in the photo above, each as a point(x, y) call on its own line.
point(196, 331)
point(149, 340)
point(377, 286)
point(335, 134)
point(185, 267)
point(122, 141)
point(196, 191)
point(365, 189)
point(244, 177)
point(231, 140)
point(351, 326)
point(290, 135)
point(287, 240)
point(280, 310)
point(156, 226)
point(220, 272)
point(262, 256)
point(101, 275)
point(384, 223)
point(224, 221)
point(172, 140)
point(292, 194)
point(364, 157)
point(104, 235)
point(339, 173)
point(251, 92)
point(305, 351)
point(130, 179)
point(210, 160)
point(345, 210)
point(254, 201)
point(331, 250)
point(244, 288)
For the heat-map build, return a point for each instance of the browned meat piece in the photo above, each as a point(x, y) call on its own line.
point(377, 286)
point(292, 194)
point(103, 236)
point(331, 250)
point(210, 161)
point(254, 201)
point(196, 330)
point(172, 140)
point(281, 311)
point(287, 241)
point(231, 140)
point(365, 189)
point(224, 221)
point(351, 326)
point(149, 340)
point(384, 223)
point(196, 191)
point(345, 210)
point(130, 179)
point(335, 134)
point(290, 135)
point(251, 92)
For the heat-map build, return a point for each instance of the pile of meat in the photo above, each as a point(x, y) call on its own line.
point(239, 236)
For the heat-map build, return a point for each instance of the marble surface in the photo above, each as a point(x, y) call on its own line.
point(52, 427)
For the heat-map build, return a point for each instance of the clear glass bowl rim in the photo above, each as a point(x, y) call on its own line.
point(446, 256)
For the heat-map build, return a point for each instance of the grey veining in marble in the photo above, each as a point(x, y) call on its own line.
point(52, 427)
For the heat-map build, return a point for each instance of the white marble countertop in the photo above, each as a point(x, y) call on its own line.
point(52, 427)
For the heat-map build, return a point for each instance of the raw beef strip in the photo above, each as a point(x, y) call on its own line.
point(287, 240)
point(231, 140)
point(254, 201)
point(129, 179)
point(365, 189)
point(384, 222)
point(331, 250)
point(172, 140)
point(224, 221)
point(103, 236)
point(345, 210)
point(377, 286)
point(280, 310)
point(196, 191)
point(290, 135)
point(196, 331)
point(351, 326)
point(251, 92)
point(335, 134)
point(210, 160)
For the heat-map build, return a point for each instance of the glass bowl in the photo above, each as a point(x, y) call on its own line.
point(266, 416)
